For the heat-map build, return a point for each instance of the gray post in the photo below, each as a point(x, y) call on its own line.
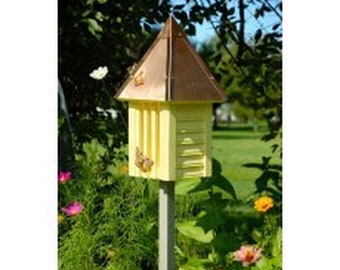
point(166, 256)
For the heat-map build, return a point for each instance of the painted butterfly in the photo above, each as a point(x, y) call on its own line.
point(143, 162)
point(138, 79)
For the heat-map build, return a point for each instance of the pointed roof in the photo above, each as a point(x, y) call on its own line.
point(171, 71)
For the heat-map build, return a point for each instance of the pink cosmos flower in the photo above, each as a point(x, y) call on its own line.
point(63, 177)
point(72, 209)
point(247, 255)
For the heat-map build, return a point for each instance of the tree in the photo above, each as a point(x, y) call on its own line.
point(248, 68)
point(116, 34)
point(93, 33)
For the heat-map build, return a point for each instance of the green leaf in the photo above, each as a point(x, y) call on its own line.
point(238, 213)
point(211, 220)
point(196, 264)
point(229, 81)
point(274, 147)
point(183, 187)
point(261, 182)
point(274, 175)
point(89, 2)
point(231, 11)
point(204, 185)
point(179, 6)
point(258, 13)
point(225, 242)
point(215, 202)
point(266, 8)
point(268, 264)
point(99, 16)
point(94, 150)
point(223, 183)
point(258, 35)
point(256, 235)
point(275, 167)
point(93, 27)
point(261, 166)
point(276, 26)
point(277, 245)
point(147, 27)
point(93, 24)
point(190, 230)
point(268, 137)
point(254, 165)
point(191, 30)
point(216, 167)
point(86, 13)
point(182, 16)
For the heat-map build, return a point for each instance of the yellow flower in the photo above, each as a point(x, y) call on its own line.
point(111, 254)
point(124, 169)
point(263, 204)
point(60, 219)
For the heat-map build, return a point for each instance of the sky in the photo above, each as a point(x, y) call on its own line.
point(205, 30)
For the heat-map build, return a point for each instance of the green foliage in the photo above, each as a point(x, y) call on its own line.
point(188, 229)
point(270, 180)
point(249, 68)
point(272, 259)
point(237, 144)
point(225, 223)
point(117, 228)
point(217, 180)
point(116, 34)
point(197, 264)
point(101, 33)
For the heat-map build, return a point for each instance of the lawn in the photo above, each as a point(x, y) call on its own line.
point(236, 145)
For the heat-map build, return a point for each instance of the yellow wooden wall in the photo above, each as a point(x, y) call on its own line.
point(193, 147)
point(176, 137)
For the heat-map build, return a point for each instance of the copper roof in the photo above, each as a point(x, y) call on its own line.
point(171, 70)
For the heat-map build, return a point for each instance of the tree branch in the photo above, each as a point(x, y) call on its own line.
point(223, 41)
point(241, 31)
point(273, 9)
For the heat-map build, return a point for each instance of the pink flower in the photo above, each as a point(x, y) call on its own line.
point(247, 255)
point(63, 177)
point(72, 209)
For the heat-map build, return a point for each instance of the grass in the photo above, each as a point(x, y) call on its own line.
point(236, 145)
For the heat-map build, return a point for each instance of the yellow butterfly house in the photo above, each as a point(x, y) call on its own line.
point(170, 96)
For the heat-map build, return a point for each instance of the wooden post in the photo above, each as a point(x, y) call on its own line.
point(166, 258)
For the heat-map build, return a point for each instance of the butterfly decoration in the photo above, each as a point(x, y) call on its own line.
point(138, 79)
point(143, 162)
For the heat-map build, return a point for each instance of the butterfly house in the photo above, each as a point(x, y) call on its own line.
point(170, 95)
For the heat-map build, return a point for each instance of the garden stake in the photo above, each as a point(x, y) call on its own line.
point(170, 95)
point(166, 225)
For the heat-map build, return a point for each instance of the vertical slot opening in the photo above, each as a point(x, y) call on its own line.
point(148, 130)
point(157, 133)
point(144, 129)
point(140, 127)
